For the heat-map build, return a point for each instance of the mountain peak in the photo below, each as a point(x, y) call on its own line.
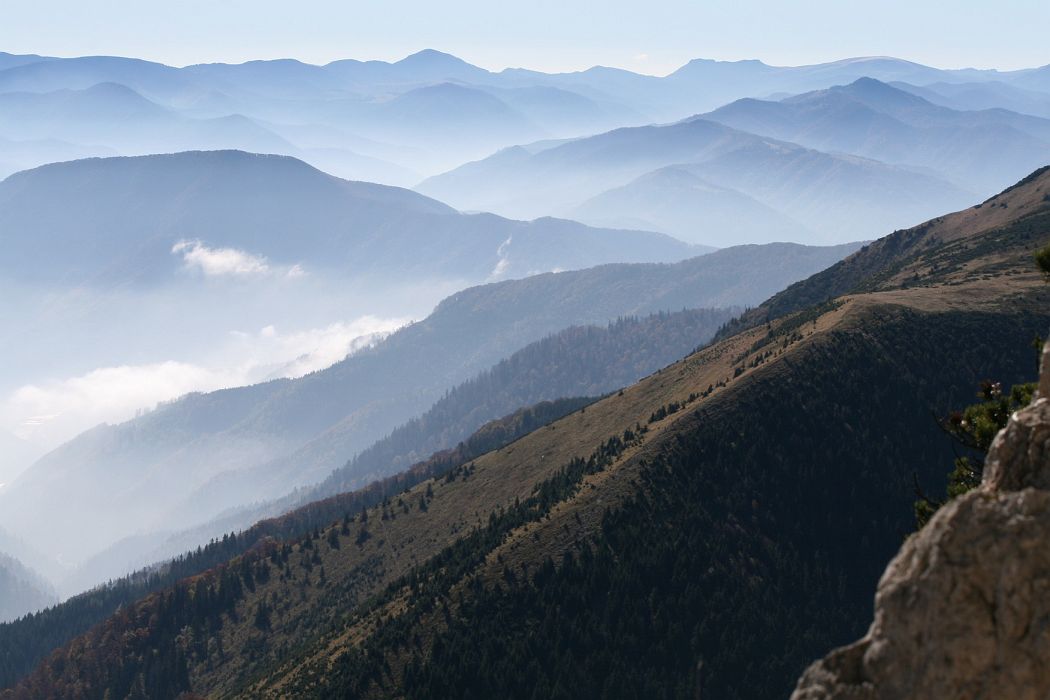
point(872, 86)
point(870, 91)
point(871, 59)
point(433, 57)
point(709, 67)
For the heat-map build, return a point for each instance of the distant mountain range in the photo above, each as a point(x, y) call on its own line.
point(185, 258)
point(125, 219)
point(984, 150)
point(393, 122)
point(683, 465)
point(980, 96)
point(678, 177)
point(842, 162)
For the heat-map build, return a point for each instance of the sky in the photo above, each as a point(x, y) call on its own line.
point(552, 35)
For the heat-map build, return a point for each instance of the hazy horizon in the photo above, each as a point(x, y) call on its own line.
point(654, 39)
point(496, 68)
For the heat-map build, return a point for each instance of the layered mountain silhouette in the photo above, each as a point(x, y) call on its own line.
point(661, 525)
point(985, 149)
point(679, 201)
point(361, 116)
point(125, 218)
point(781, 190)
point(22, 590)
point(992, 94)
point(580, 361)
point(295, 432)
point(613, 463)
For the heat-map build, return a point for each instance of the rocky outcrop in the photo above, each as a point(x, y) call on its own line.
point(963, 611)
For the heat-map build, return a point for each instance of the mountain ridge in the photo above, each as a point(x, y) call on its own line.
point(668, 450)
point(836, 196)
point(246, 201)
point(987, 150)
point(346, 407)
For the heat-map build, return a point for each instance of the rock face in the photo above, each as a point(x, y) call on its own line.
point(963, 611)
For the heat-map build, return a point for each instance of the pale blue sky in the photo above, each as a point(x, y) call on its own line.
point(652, 37)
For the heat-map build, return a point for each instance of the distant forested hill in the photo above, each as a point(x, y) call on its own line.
point(21, 590)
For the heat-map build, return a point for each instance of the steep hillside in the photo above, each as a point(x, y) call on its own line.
point(19, 453)
point(944, 252)
point(707, 530)
point(538, 303)
point(306, 427)
point(579, 361)
point(221, 269)
point(27, 641)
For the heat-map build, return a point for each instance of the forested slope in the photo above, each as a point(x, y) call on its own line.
point(579, 361)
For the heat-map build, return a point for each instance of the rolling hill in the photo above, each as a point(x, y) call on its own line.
point(109, 119)
point(17, 155)
point(707, 530)
point(123, 219)
point(677, 201)
point(115, 117)
point(699, 85)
